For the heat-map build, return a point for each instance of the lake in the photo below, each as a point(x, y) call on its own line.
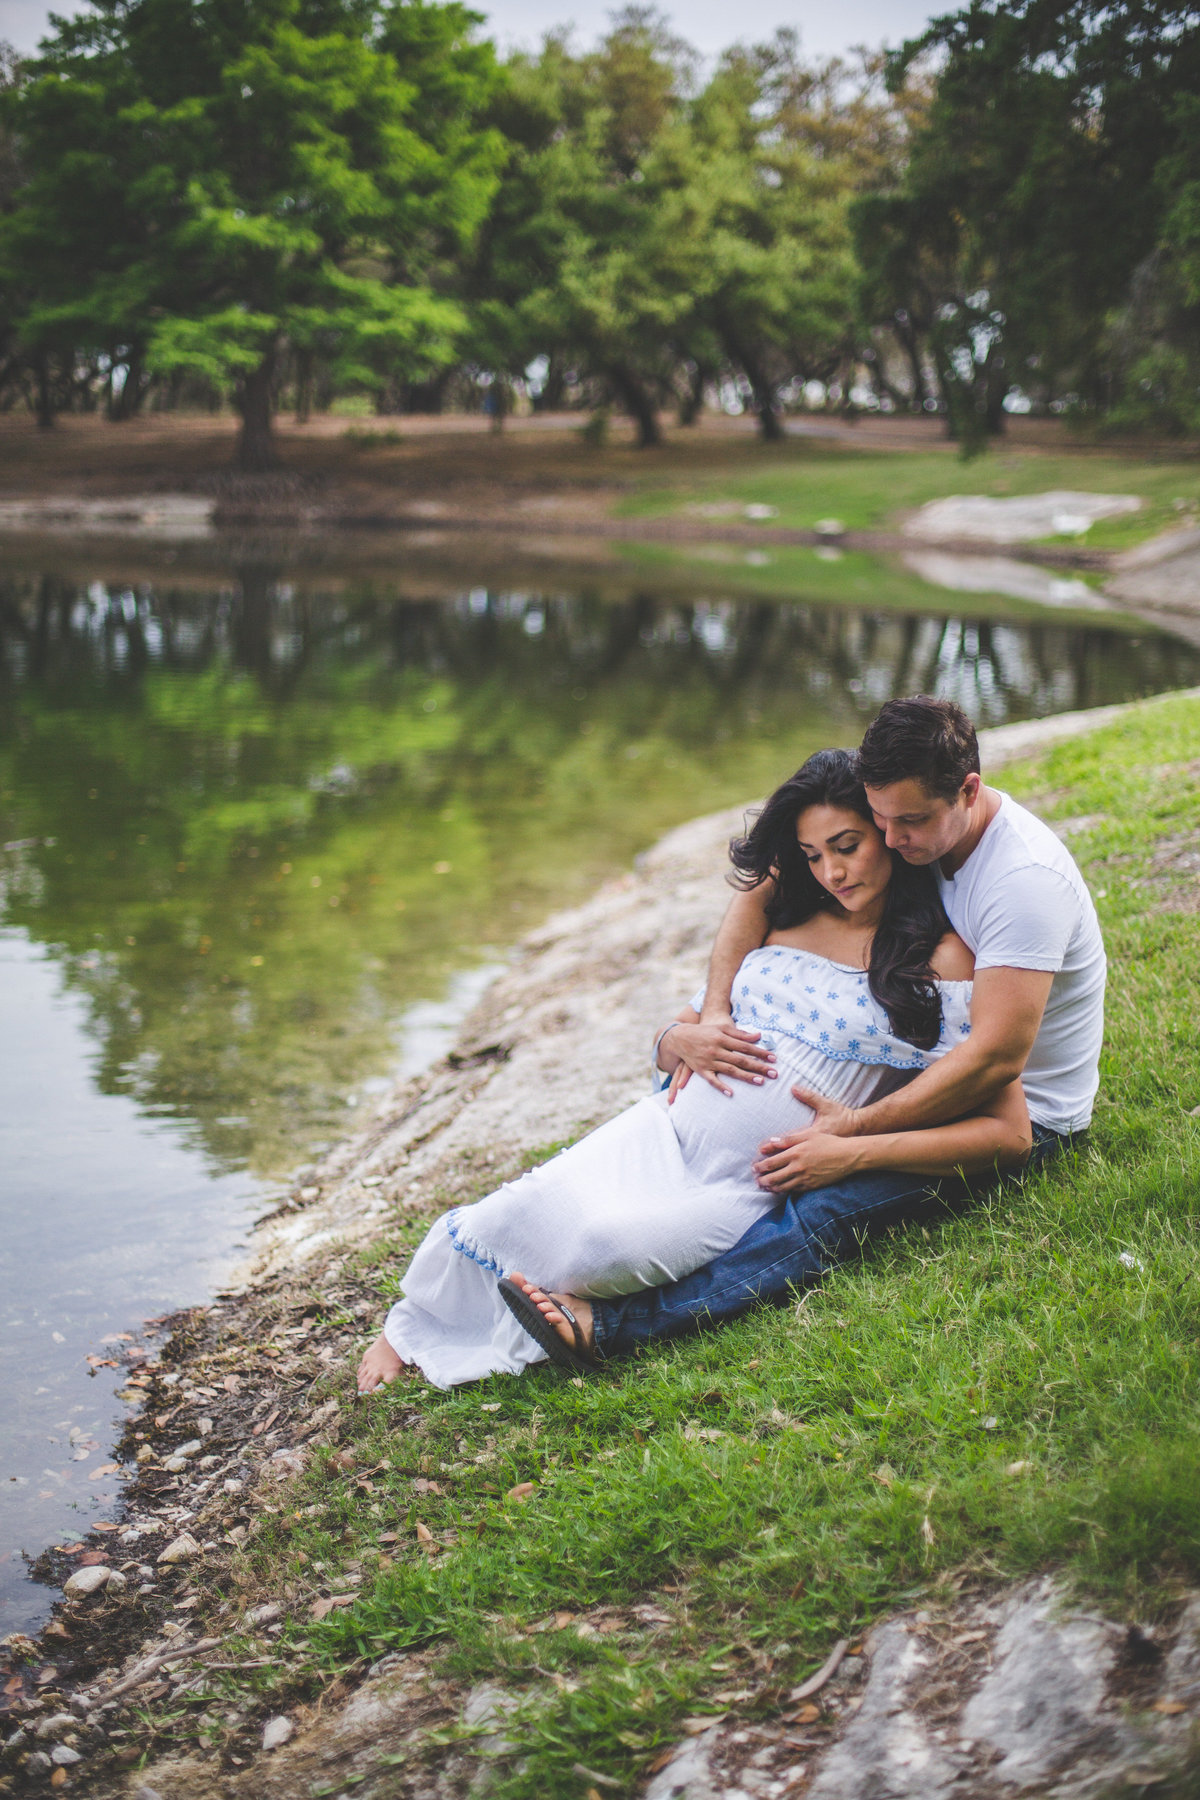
point(268, 819)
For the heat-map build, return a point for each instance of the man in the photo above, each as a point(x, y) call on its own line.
point(1014, 895)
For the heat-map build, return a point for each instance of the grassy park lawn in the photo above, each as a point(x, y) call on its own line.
point(985, 1395)
point(869, 489)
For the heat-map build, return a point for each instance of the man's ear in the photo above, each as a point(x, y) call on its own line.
point(969, 791)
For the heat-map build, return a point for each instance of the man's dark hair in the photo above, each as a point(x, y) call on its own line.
point(921, 739)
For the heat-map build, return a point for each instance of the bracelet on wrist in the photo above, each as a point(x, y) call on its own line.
point(658, 1040)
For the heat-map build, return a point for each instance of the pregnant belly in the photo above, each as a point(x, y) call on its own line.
point(720, 1136)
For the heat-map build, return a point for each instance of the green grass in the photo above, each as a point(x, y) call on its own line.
point(851, 578)
point(809, 480)
point(983, 1396)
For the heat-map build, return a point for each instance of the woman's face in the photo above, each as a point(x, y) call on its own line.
point(847, 854)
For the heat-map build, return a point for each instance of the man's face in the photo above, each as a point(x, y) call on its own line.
point(920, 826)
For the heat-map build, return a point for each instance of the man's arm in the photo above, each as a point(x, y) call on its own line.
point(742, 929)
point(718, 1049)
point(998, 1136)
point(1006, 1011)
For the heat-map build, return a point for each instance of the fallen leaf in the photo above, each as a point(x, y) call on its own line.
point(346, 1459)
point(1170, 1707)
point(91, 1558)
point(562, 1620)
point(927, 1530)
point(1018, 1468)
point(807, 1715)
point(426, 1487)
point(232, 1384)
point(660, 1761)
point(424, 1535)
point(104, 1469)
point(104, 1525)
point(522, 1491)
point(885, 1475)
point(693, 1727)
point(389, 1537)
point(326, 1604)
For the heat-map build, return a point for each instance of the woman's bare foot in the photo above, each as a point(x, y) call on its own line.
point(379, 1367)
point(547, 1305)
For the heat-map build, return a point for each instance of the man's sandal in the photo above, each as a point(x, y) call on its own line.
point(531, 1319)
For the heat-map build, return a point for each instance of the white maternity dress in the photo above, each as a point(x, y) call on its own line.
point(659, 1190)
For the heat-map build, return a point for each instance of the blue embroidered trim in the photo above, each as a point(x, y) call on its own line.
point(466, 1249)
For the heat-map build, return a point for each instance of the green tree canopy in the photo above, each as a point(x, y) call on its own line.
point(212, 185)
point(1034, 198)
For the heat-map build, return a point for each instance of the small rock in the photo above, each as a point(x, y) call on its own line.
point(57, 1725)
point(145, 1454)
point(175, 1465)
point(87, 1581)
point(193, 1444)
point(309, 1193)
point(277, 1731)
point(79, 1706)
point(64, 1756)
point(37, 1763)
point(146, 1793)
point(16, 1742)
point(116, 1582)
point(208, 1462)
point(263, 1615)
point(183, 1548)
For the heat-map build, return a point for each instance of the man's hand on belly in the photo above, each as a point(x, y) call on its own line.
point(809, 1159)
point(831, 1118)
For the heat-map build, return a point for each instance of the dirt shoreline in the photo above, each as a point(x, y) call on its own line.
point(242, 1392)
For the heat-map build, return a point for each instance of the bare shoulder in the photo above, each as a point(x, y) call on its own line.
point(952, 961)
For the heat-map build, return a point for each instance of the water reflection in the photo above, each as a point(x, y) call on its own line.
point(258, 820)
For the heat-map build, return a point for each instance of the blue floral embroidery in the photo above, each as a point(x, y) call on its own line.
point(839, 1024)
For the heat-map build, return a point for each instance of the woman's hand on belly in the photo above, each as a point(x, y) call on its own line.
point(719, 1051)
point(807, 1160)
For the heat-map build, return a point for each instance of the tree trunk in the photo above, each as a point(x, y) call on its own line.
point(304, 386)
point(45, 398)
point(692, 404)
point(256, 445)
point(126, 403)
point(639, 405)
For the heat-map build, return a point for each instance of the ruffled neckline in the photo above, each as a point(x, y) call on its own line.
point(846, 968)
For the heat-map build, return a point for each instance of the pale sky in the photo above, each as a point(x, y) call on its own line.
point(826, 27)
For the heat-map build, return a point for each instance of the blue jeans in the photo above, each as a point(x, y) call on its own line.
point(789, 1247)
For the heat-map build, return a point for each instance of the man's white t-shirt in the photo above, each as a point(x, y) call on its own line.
point(1019, 902)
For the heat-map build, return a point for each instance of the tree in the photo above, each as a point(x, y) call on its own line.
point(1033, 194)
point(214, 188)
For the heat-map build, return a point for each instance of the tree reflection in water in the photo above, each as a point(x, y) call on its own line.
point(257, 821)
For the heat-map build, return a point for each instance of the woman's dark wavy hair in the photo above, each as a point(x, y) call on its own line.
point(913, 921)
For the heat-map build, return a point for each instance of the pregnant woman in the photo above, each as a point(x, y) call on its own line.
point(859, 984)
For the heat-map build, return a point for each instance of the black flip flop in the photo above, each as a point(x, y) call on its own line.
point(531, 1319)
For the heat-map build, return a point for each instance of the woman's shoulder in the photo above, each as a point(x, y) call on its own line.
point(951, 960)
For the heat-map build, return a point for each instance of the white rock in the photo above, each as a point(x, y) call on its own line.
point(175, 1465)
point(116, 1582)
point(277, 1731)
point(190, 1448)
point(87, 1581)
point(183, 1548)
point(57, 1725)
point(264, 1614)
point(63, 1755)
